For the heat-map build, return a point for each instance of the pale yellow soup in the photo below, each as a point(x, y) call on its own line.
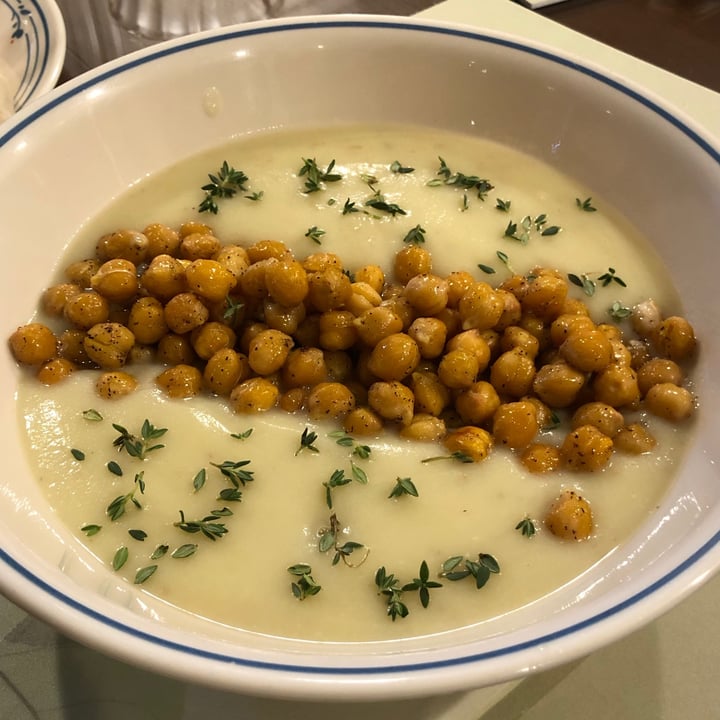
point(241, 579)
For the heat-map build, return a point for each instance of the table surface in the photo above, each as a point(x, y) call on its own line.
point(666, 671)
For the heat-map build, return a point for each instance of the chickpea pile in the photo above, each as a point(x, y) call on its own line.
point(448, 359)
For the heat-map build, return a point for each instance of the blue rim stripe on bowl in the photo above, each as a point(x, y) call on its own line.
point(62, 96)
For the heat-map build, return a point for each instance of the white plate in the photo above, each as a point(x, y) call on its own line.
point(32, 51)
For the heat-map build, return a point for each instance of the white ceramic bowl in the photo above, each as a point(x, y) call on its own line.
point(85, 144)
point(32, 51)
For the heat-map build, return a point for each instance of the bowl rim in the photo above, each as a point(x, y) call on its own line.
point(347, 680)
point(41, 25)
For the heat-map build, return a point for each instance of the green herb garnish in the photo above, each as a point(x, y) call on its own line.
point(403, 486)
point(585, 204)
point(208, 526)
point(526, 527)
point(315, 177)
point(305, 586)
point(315, 233)
point(422, 584)
point(416, 235)
point(225, 184)
point(135, 446)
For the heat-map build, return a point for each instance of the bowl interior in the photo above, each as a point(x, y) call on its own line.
point(100, 134)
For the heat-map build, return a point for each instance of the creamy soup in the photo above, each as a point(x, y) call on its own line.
point(239, 576)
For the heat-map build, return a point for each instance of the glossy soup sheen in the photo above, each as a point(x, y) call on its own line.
point(241, 579)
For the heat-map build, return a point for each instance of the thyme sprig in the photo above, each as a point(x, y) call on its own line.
point(458, 455)
point(135, 446)
point(225, 184)
point(422, 584)
point(209, 526)
point(526, 527)
point(329, 539)
point(305, 585)
point(403, 486)
point(307, 442)
point(585, 205)
point(116, 509)
point(389, 586)
point(232, 470)
point(458, 567)
point(459, 179)
point(315, 176)
point(337, 479)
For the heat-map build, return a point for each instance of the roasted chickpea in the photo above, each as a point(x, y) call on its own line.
point(587, 349)
point(431, 396)
point(617, 385)
point(115, 384)
point(264, 249)
point(412, 260)
point(161, 240)
point(268, 351)
point(373, 275)
point(126, 244)
point(56, 296)
point(185, 312)
point(33, 344)
point(377, 323)
point(570, 517)
point(458, 283)
point(280, 317)
point(252, 281)
point(194, 226)
point(72, 346)
point(656, 371)
point(108, 345)
point(362, 421)
point(209, 279)
point(517, 337)
point(254, 395)
point(480, 307)
point(424, 428)
point(541, 458)
point(635, 438)
point(563, 325)
point(180, 381)
point(675, 339)
point(319, 262)
point(287, 282)
point(430, 334)
point(477, 403)
point(670, 401)
point(304, 366)
point(293, 400)
point(211, 337)
point(330, 400)
point(55, 370)
point(339, 365)
point(199, 245)
point(337, 330)
point(472, 441)
point(363, 297)
point(394, 357)
point(645, 319)
point(458, 369)
point(86, 309)
point(147, 320)
point(224, 370)
point(515, 424)
point(329, 289)
point(116, 280)
point(80, 273)
point(392, 401)
point(473, 342)
point(605, 418)
point(545, 296)
point(586, 448)
point(426, 293)
point(164, 277)
point(511, 310)
point(513, 373)
point(175, 349)
point(233, 258)
point(558, 385)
